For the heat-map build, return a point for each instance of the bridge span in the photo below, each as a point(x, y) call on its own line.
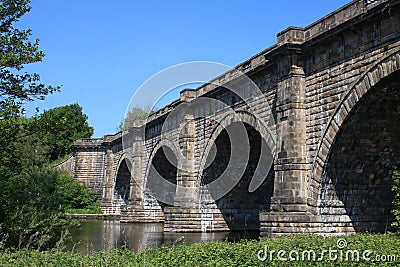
point(322, 138)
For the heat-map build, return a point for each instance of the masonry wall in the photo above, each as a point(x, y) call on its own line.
point(207, 120)
point(334, 65)
point(89, 168)
point(357, 178)
point(67, 165)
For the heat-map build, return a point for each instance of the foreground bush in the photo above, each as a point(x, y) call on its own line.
point(33, 195)
point(396, 199)
point(380, 247)
point(76, 197)
point(33, 206)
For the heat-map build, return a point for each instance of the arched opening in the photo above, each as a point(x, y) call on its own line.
point(122, 188)
point(161, 180)
point(239, 208)
point(357, 176)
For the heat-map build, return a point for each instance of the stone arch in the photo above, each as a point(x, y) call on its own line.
point(385, 67)
point(121, 183)
point(351, 174)
point(163, 142)
point(162, 162)
point(238, 208)
point(238, 116)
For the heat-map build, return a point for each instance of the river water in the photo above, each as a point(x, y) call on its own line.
point(95, 235)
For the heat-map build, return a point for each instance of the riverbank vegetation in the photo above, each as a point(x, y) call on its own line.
point(77, 198)
point(295, 250)
point(396, 200)
point(33, 195)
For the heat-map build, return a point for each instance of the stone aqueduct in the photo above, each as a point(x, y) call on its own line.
point(333, 92)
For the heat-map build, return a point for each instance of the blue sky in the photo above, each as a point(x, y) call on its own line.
point(102, 51)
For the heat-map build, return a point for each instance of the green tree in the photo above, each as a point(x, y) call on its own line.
point(32, 206)
point(31, 198)
point(16, 50)
point(137, 113)
point(16, 87)
point(60, 126)
point(30, 202)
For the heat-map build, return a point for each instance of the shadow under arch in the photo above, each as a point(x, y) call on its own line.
point(383, 67)
point(161, 177)
point(239, 208)
point(122, 181)
point(238, 116)
point(356, 177)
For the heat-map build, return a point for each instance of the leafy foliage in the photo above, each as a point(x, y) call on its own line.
point(137, 113)
point(396, 199)
point(31, 205)
point(60, 126)
point(243, 253)
point(16, 50)
point(33, 196)
point(76, 197)
point(22, 149)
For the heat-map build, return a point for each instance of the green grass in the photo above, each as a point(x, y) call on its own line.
point(218, 253)
point(88, 210)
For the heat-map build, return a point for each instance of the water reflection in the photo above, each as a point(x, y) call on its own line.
point(98, 235)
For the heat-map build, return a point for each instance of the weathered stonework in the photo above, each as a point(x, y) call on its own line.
point(331, 92)
point(88, 164)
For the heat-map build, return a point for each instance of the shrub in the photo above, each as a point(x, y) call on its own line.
point(76, 196)
point(383, 250)
point(31, 209)
point(396, 199)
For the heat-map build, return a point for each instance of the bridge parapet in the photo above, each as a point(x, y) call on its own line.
point(291, 35)
point(88, 142)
